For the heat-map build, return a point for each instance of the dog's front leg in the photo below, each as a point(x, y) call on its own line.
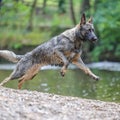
point(65, 61)
point(79, 63)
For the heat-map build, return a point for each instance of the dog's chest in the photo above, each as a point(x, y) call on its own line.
point(57, 60)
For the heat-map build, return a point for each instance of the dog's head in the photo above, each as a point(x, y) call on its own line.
point(86, 30)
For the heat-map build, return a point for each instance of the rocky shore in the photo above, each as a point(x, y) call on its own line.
point(33, 105)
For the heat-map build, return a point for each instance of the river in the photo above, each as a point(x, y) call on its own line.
point(75, 83)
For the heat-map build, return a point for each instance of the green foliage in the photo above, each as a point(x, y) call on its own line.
point(14, 19)
point(107, 20)
point(13, 13)
point(61, 6)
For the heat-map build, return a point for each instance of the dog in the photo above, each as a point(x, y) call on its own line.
point(61, 50)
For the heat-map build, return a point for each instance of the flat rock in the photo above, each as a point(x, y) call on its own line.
point(33, 105)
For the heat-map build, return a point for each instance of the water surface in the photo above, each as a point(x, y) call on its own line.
point(75, 83)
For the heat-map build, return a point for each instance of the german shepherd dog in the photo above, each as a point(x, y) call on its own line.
point(61, 50)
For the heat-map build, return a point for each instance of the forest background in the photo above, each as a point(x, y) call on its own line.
point(24, 24)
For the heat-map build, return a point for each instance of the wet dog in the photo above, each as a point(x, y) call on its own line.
point(61, 50)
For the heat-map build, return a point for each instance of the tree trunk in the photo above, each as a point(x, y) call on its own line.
point(44, 6)
point(0, 4)
point(85, 6)
point(72, 12)
point(30, 22)
point(61, 6)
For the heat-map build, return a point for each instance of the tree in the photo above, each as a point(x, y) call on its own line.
point(0, 4)
point(44, 6)
point(85, 6)
point(107, 22)
point(72, 12)
point(61, 6)
point(30, 22)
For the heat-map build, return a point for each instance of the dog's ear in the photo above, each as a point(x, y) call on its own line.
point(83, 19)
point(90, 20)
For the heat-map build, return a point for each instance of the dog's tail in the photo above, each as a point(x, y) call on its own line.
point(10, 56)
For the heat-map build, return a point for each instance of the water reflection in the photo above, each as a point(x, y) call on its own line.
point(75, 83)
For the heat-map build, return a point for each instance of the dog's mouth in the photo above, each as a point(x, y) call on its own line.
point(94, 40)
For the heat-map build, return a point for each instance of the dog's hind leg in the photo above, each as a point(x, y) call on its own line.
point(5, 80)
point(29, 75)
point(8, 79)
point(11, 77)
point(21, 81)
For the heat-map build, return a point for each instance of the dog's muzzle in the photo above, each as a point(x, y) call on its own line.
point(91, 37)
point(94, 39)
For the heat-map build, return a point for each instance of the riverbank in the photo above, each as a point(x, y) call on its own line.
point(33, 105)
point(104, 65)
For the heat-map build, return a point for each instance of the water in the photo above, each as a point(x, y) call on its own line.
point(75, 83)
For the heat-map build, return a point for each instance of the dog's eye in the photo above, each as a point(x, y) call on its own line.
point(90, 30)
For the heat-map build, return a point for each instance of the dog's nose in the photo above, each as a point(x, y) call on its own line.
point(94, 38)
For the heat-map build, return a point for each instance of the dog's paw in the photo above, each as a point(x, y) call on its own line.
point(96, 78)
point(62, 73)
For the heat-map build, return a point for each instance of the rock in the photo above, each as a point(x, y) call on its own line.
point(33, 105)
